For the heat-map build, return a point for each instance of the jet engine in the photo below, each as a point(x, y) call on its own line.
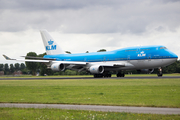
point(58, 67)
point(96, 69)
point(149, 71)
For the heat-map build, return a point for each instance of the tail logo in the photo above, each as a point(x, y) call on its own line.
point(51, 46)
point(50, 42)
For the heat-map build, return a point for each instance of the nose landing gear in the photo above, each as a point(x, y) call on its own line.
point(159, 74)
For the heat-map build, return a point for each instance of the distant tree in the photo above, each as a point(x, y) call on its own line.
point(170, 68)
point(32, 65)
point(70, 72)
point(102, 50)
point(68, 52)
point(6, 69)
point(178, 67)
point(43, 68)
point(22, 66)
point(17, 66)
point(11, 68)
point(1, 67)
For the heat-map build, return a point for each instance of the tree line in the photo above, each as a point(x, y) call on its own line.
point(8, 70)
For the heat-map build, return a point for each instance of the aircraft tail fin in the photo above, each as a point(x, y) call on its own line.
point(51, 47)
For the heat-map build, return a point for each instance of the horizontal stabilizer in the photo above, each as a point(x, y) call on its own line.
point(7, 58)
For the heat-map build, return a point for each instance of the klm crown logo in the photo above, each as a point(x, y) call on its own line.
point(50, 42)
point(51, 46)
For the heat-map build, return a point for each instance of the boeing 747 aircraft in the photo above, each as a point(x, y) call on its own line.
point(143, 58)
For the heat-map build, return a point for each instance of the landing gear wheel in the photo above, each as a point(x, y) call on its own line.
point(106, 74)
point(120, 74)
point(123, 75)
point(159, 74)
point(102, 75)
point(98, 75)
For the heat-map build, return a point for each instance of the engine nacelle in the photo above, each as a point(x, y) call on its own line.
point(58, 67)
point(149, 71)
point(96, 69)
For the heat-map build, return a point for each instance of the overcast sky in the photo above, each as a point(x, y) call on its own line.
point(88, 25)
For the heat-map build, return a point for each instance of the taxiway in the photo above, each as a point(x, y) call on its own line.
point(128, 109)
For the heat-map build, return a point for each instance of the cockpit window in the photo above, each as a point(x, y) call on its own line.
point(163, 48)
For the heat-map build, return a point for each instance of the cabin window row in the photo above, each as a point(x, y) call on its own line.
point(136, 50)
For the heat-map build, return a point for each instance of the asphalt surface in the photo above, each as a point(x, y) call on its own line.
point(150, 110)
point(62, 78)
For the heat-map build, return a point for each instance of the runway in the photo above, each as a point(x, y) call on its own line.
point(62, 78)
point(147, 110)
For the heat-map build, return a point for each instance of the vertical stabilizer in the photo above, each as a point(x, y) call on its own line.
point(51, 47)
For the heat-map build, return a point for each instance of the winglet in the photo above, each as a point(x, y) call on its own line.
point(7, 58)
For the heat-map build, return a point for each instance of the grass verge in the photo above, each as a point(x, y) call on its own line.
point(125, 92)
point(59, 114)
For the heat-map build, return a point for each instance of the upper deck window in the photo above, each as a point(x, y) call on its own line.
point(163, 48)
point(130, 50)
point(144, 49)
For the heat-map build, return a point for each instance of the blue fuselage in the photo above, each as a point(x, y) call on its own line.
point(125, 54)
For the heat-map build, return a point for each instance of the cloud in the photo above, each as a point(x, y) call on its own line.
point(46, 5)
point(88, 25)
point(16, 44)
point(89, 16)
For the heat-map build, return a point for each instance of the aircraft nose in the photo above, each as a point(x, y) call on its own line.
point(174, 55)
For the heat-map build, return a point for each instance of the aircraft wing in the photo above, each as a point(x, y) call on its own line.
point(71, 62)
point(45, 60)
point(113, 64)
point(39, 58)
point(26, 60)
point(105, 64)
point(74, 63)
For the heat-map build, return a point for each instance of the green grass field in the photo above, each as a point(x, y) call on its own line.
point(58, 114)
point(126, 92)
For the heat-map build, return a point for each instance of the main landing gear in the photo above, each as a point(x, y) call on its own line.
point(105, 75)
point(159, 74)
point(119, 74)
